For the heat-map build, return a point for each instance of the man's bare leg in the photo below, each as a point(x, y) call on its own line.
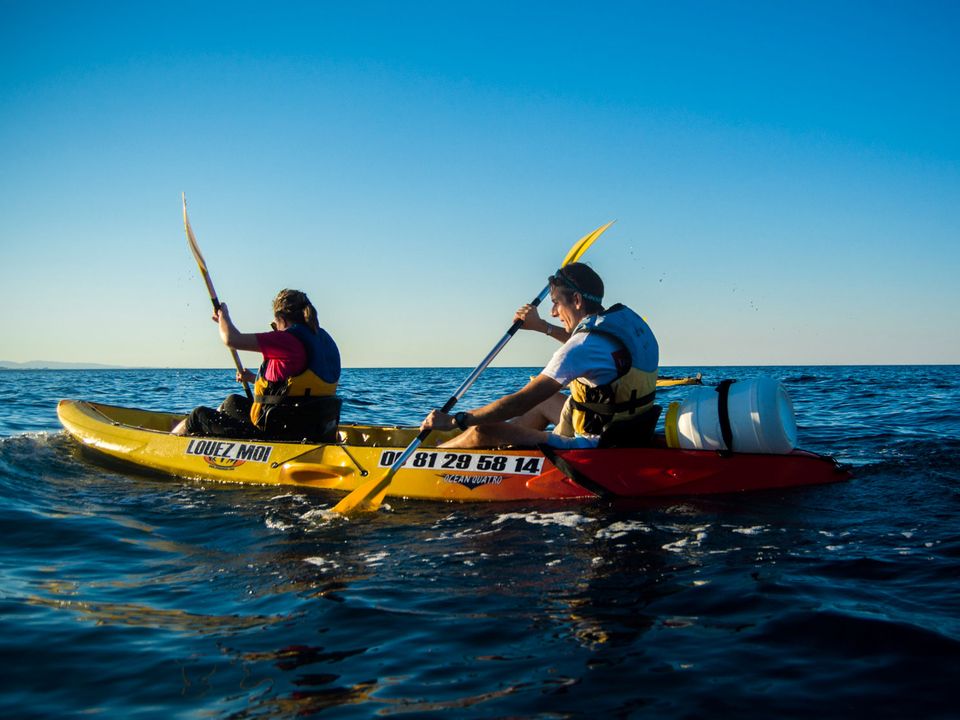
point(542, 415)
point(496, 435)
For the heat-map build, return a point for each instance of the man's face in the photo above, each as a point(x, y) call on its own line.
point(568, 307)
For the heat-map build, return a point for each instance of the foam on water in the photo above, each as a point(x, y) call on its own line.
point(565, 518)
point(622, 529)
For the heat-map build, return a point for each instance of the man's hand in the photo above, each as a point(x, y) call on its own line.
point(438, 420)
point(530, 319)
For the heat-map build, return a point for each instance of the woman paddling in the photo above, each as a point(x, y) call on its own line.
point(294, 391)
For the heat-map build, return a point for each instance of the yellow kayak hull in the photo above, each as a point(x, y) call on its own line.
point(674, 382)
point(142, 438)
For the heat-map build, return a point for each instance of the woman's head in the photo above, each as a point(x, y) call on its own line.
point(293, 306)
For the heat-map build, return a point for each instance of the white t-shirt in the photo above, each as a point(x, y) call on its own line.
point(589, 356)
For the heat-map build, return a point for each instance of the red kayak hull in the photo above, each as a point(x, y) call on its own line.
point(643, 472)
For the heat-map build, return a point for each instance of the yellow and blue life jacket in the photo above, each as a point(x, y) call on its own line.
point(594, 410)
point(305, 406)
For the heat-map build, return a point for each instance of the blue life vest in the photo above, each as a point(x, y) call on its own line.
point(632, 392)
point(291, 407)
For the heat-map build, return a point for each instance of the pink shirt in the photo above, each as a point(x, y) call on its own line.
point(284, 354)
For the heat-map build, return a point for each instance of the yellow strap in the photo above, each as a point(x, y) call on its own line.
point(670, 425)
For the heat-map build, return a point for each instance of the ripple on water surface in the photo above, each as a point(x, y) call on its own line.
point(134, 595)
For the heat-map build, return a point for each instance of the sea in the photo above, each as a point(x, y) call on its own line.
point(124, 595)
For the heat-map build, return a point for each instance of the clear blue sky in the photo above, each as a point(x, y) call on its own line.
point(785, 176)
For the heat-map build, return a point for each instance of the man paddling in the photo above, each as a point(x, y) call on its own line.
point(609, 360)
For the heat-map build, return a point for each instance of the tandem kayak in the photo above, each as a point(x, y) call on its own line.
point(141, 438)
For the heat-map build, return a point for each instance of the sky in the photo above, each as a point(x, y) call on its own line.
point(785, 177)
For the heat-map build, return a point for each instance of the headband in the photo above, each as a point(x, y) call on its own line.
point(565, 279)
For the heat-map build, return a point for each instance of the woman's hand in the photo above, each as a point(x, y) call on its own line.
point(246, 376)
point(221, 313)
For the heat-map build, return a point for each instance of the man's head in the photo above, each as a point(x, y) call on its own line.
point(576, 291)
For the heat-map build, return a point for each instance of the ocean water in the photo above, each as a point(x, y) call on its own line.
point(129, 596)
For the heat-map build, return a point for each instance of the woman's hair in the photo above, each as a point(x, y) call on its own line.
point(580, 278)
point(295, 307)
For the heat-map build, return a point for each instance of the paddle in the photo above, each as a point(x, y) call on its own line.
point(368, 496)
point(195, 249)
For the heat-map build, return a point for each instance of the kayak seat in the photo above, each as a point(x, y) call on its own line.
point(306, 419)
point(636, 432)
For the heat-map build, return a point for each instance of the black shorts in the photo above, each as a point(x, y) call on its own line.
point(230, 420)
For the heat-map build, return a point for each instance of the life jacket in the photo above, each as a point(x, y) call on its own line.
point(305, 406)
point(595, 410)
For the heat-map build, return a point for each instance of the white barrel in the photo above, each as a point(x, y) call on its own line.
point(761, 419)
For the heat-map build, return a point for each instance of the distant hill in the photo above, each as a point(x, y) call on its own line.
point(54, 365)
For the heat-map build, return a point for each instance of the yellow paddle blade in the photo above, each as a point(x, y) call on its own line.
point(367, 497)
point(581, 246)
point(194, 248)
